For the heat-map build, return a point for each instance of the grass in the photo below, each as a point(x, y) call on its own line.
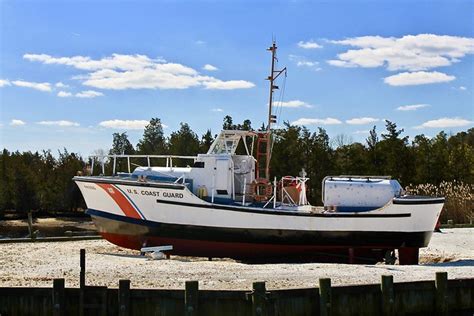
point(459, 205)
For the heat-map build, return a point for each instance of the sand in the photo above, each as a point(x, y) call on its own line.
point(37, 264)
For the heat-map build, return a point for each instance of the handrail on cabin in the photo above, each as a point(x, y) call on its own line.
point(101, 158)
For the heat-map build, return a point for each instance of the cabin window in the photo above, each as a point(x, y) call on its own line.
point(198, 164)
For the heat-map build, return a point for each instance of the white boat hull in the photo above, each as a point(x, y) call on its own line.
point(134, 214)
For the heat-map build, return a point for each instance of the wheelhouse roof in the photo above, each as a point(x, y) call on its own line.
point(228, 140)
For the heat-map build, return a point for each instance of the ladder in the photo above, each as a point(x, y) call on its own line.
point(262, 169)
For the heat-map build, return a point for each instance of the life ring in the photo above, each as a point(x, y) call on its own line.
point(261, 190)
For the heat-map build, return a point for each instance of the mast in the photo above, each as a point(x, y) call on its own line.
point(271, 78)
point(274, 74)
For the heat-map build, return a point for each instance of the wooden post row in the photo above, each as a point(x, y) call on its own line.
point(58, 297)
point(259, 299)
point(191, 296)
point(124, 297)
point(82, 276)
point(82, 280)
point(388, 295)
point(325, 297)
point(441, 285)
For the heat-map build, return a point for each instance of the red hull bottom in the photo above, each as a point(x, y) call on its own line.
point(259, 252)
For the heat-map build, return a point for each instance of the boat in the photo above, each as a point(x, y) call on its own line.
point(224, 203)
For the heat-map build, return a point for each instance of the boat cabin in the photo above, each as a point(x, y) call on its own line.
point(220, 175)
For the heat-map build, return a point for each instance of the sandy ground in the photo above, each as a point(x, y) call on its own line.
point(29, 264)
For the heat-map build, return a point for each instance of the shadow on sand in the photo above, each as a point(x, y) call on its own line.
point(122, 255)
point(458, 263)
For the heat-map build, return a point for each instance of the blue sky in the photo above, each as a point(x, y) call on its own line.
point(74, 72)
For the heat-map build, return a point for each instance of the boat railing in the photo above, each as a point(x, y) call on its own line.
point(288, 191)
point(102, 159)
point(350, 177)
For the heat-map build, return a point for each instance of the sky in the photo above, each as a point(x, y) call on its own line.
point(72, 73)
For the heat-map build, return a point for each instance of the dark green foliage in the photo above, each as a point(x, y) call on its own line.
point(121, 145)
point(153, 141)
point(41, 181)
point(206, 141)
point(229, 125)
point(34, 181)
point(184, 142)
point(441, 158)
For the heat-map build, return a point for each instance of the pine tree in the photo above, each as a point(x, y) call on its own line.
point(206, 141)
point(153, 141)
point(121, 145)
point(184, 143)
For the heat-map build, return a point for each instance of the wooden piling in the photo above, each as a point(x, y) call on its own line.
point(82, 281)
point(325, 297)
point(30, 225)
point(388, 295)
point(58, 297)
point(191, 296)
point(124, 297)
point(441, 284)
point(259, 299)
point(82, 276)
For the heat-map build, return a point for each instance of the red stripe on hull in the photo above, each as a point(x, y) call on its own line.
point(126, 207)
point(249, 251)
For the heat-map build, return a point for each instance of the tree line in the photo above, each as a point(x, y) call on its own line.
point(42, 181)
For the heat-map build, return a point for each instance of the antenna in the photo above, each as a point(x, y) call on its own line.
point(274, 74)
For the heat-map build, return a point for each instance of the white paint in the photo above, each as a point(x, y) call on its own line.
point(423, 216)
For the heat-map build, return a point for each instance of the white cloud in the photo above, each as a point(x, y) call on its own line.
point(227, 85)
point(116, 61)
point(293, 104)
point(41, 86)
point(217, 110)
point(88, 94)
point(125, 124)
point(309, 44)
point(417, 78)
point(199, 42)
point(120, 72)
point(64, 94)
point(361, 132)
point(445, 122)
point(16, 122)
point(463, 88)
point(412, 107)
point(310, 64)
point(61, 123)
point(61, 85)
point(209, 67)
point(82, 94)
point(4, 83)
point(315, 121)
point(410, 52)
point(362, 120)
point(304, 62)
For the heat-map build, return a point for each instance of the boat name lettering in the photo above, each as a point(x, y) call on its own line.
point(173, 195)
point(90, 187)
point(150, 193)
